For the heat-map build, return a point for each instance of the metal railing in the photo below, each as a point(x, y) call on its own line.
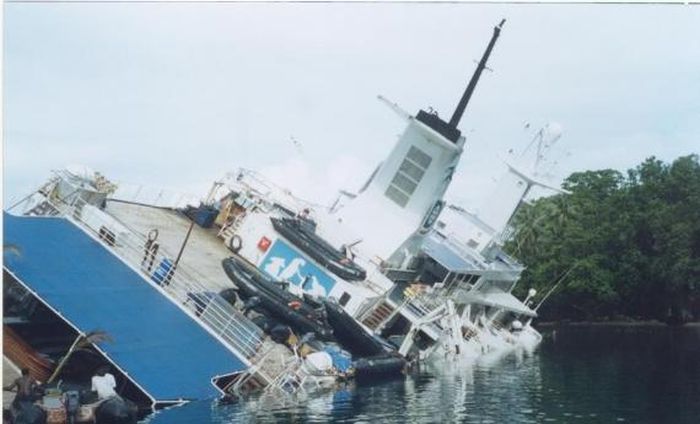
point(209, 308)
point(413, 308)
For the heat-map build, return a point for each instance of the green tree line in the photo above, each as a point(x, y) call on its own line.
point(629, 242)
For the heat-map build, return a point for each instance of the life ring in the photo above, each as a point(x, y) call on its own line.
point(294, 304)
point(235, 243)
point(153, 235)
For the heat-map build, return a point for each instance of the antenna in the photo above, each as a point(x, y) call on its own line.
point(459, 111)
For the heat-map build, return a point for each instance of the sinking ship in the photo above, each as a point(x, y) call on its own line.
point(254, 288)
point(430, 278)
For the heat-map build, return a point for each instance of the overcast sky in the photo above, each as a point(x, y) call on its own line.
point(175, 95)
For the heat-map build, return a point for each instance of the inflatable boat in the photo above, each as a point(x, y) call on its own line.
point(379, 365)
point(276, 301)
point(350, 333)
point(303, 236)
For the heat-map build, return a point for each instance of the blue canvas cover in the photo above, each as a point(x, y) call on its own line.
point(159, 346)
point(342, 360)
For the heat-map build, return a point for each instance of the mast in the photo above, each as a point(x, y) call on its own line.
point(459, 111)
point(449, 129)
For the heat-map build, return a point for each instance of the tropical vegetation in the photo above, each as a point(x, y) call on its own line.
point(626, 244)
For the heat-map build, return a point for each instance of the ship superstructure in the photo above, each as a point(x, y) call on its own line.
point(436, 275)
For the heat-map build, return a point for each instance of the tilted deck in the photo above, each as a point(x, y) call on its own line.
point(155, 342)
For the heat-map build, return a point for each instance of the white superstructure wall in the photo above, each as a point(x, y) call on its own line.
point(502, 203)
point(406, 188)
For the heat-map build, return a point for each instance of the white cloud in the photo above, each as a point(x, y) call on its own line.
point(178, 94)
point(318, 182)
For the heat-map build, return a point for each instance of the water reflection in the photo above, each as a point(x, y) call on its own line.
point(582, 375)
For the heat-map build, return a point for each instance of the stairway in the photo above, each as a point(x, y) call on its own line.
point(378, 317)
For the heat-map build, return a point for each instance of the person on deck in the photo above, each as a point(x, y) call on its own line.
point(103, 383)
point(26, 387)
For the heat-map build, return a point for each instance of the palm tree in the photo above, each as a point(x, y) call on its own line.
point(528, 231)
point(562, 212)
point(83, 340)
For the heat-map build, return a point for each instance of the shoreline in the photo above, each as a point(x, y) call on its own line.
point(641, 323)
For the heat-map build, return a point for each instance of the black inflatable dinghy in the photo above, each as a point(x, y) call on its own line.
point(320, 250)
point(350, 333)
point(379, 365)
point(277, 302)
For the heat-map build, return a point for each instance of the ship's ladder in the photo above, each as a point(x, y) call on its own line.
point(376, 320)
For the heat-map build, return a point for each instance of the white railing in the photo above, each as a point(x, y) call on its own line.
point(210, 309)
point(417, 309)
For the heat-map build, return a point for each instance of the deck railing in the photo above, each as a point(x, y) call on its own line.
point(210, 309)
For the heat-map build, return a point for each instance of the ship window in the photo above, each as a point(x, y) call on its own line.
point(404, 183)
point(397, 196)
point(412, 170)
point(408, 176)
point(344, 299)
point(107, 235)
point(419, 157)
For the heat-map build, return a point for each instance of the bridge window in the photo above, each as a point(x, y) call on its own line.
point(419, 157)
point(408, 176)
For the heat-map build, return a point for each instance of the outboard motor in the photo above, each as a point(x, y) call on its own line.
point(229, 295)
point(280, 333)
point(250, 304)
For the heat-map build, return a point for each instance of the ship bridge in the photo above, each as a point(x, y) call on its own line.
point(156, 343)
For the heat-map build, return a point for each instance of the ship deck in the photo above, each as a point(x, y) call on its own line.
point(203, 251)
point(154, 342)
point(203, 254)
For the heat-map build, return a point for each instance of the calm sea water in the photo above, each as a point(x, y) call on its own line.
point(578, 375)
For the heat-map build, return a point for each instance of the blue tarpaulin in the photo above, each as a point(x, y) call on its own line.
point(159, 346)
point(342, 360)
